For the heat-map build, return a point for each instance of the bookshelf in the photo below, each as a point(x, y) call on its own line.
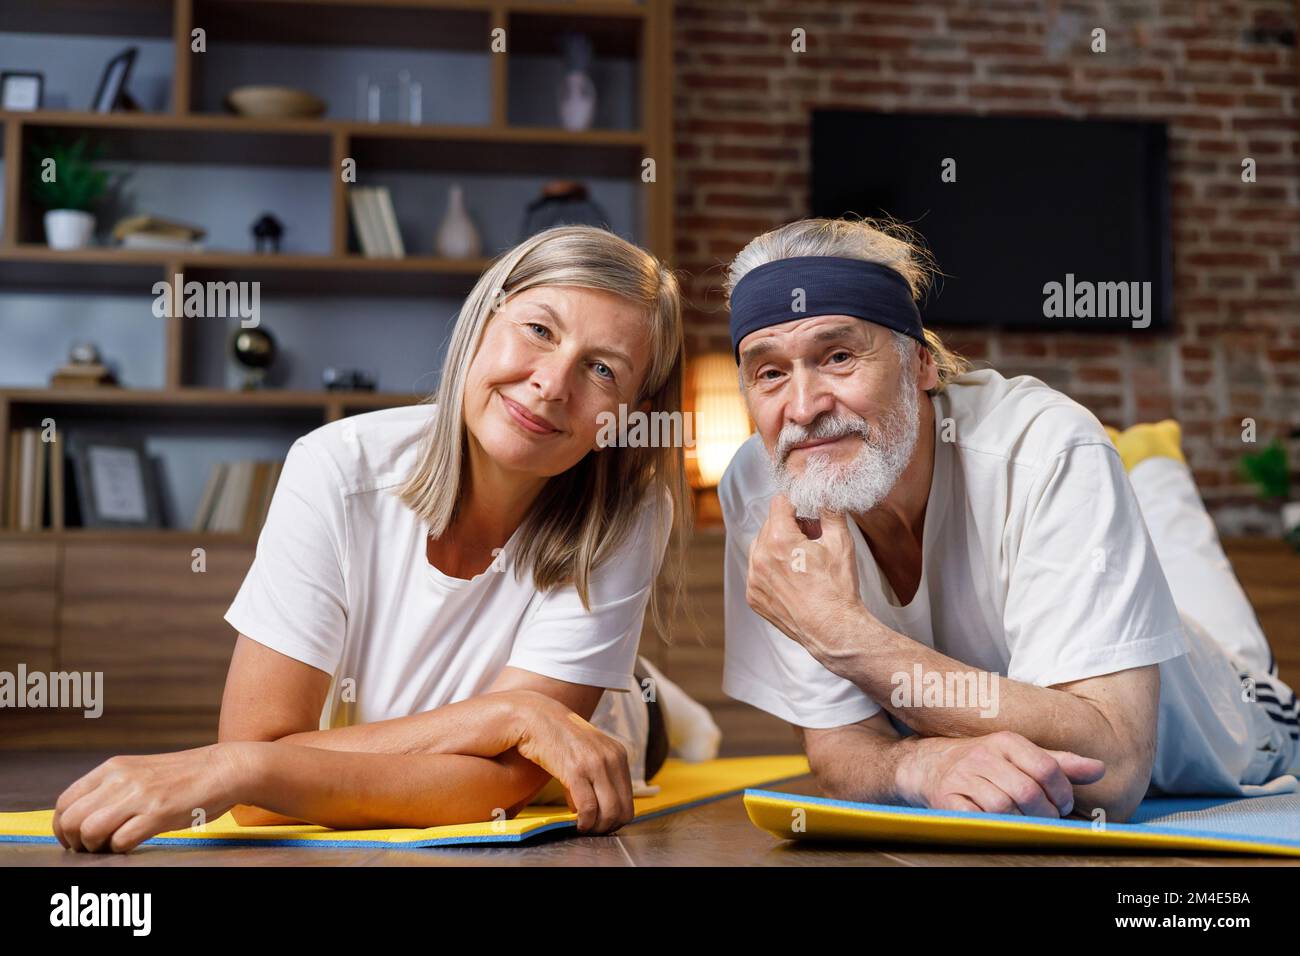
point(187, 133)
point(128, 602)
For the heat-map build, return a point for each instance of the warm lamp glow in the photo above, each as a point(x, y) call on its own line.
point(721, 422)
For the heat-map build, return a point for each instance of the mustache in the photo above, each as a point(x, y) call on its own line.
point(826, 426)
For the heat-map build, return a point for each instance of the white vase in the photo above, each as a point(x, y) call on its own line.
point(457, 237)
point(577, 101)
point(1290, 517)
point(68, 228)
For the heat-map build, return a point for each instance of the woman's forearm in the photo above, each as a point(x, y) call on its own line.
point(349, 790)
point(481, 726)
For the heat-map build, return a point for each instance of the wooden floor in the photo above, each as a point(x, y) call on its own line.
point(714, 834)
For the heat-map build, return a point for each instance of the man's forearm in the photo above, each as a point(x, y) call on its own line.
point(860, 764)
point(883, 661)
point(350, 790)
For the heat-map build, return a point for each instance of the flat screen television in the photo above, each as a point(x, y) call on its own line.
point(1083, 204)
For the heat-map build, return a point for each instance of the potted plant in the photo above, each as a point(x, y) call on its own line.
point(68, 187)
point(1271, 473)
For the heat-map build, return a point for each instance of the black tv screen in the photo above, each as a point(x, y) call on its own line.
point(1080, 203)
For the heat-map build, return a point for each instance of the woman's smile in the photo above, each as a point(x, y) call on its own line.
point(526, 420)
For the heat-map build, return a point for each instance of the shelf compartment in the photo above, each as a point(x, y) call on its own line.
point(442, 26)
point(32, 267)
point(145, 18)
point(529, 150)
point(27, 405)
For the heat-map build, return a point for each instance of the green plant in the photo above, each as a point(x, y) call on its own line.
point(71, 181)
point(1269, 471)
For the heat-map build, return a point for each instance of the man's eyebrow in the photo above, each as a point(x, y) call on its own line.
point(755, 351)
point(834, 333)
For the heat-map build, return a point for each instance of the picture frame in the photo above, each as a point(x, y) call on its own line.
point(116, 486)
point(112, 82)
point(21, 90)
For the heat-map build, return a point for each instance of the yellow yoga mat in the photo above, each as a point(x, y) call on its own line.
point(681, 785)
point(1187, 825)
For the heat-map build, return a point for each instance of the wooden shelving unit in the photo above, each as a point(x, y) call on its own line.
point(187, 135)
point(128, 602)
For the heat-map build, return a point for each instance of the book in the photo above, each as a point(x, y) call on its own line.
point(363, 223)
point(148, 240)
point(146, 224)
point(221, 511)
point(260, 472)
point(384, 203)
point(238, 483)
point(36, 520)
point(82, 375)
point(207, 502)
point(26, 478)
point(56, 470)
point(14, 478)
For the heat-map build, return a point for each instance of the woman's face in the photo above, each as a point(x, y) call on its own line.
point(552, 359)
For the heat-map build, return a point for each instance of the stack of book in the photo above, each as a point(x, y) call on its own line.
point(35, 499)
point(154, 232)
point(82, 375)
point(237, 496)
point(375, 222)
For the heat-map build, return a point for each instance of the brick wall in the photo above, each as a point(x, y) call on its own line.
point(742, 102)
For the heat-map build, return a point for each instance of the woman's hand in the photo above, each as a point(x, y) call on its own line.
point(590, 765)
point(128, 799)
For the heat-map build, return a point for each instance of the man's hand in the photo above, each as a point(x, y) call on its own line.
point(999, 773)
point(591, 765)
point(806, 586)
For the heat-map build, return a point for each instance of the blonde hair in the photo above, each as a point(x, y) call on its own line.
point(582, 514)
point(884, 241)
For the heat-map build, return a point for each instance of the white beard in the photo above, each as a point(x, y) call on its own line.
point(858, 485)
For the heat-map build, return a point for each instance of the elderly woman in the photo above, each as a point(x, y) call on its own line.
point(452, 591)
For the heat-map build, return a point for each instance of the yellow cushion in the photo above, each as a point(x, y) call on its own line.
point(1148, 440)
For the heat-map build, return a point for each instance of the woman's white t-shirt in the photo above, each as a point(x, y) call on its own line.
point(341, 582)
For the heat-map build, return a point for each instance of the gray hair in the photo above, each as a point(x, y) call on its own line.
point(886, 242)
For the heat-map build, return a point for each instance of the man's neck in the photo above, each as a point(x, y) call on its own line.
point(897, 524)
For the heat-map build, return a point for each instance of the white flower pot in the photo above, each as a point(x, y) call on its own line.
point(68, 228)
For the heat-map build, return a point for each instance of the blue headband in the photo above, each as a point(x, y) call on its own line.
point(831, 285)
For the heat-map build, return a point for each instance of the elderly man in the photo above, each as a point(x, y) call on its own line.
point(944, 578)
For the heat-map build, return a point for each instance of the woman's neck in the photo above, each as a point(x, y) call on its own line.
point(493, 504)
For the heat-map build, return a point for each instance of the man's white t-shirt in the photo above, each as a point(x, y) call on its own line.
point(341, 581)
point(1036, 565)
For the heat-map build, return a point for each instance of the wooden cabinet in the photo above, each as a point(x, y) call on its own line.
point(136, 611)
point(28, 603)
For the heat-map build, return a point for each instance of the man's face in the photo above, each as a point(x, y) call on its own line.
point(836, 405)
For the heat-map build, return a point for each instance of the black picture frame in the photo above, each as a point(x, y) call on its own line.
point(112, 82)
point(8, 76)
point(102, 507)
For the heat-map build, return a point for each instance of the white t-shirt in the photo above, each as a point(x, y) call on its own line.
point(1037, 565)
point(341, 581)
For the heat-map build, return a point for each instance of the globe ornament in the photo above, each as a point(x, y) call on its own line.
point(254, 351)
